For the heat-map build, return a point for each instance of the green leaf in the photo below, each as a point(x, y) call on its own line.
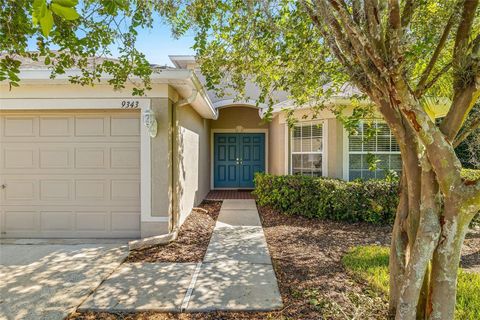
point(39, 10)
point(66, 3)
point(46, 22)
point(66, 13)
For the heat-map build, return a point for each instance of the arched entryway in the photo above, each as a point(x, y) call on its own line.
point(239, 142)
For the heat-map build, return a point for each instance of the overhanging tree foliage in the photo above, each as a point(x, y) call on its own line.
point(403, 55)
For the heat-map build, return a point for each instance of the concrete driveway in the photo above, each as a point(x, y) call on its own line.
point(48, 281)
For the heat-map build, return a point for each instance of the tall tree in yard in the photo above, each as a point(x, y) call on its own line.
point(403, 55)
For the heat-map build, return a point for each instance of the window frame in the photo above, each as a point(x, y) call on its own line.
point(347, 152)
point(323, 153)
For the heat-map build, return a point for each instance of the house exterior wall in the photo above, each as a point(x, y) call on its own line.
point(277, 147)
point(192, 159)
point(334, 148)
point(160, 162)
point(233, 117)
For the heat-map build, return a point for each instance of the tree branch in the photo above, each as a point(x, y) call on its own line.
point(408, 10)
point(465, 90)
point(420, 91)
point(466, 132)
point(435, 55)
point(357, 38)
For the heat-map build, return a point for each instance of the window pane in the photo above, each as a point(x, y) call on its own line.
point(384, 161)
point(306, 144)
point(306, 131)
point(296, 132)
point(296, 145)
point(369, 145)
point(383, 129)
point(355, 143)
point(355, 161)
point(296, 161)
point(383, 143)
point(317, 144)
point(316, 130)
point(396, 162)
point(355, 174)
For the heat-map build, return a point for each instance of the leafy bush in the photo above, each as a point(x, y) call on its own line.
point(373, 201)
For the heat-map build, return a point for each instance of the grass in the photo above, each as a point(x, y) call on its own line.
point(370, 263)
point(471, 174)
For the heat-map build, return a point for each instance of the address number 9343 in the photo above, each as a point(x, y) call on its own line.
point(130, 104)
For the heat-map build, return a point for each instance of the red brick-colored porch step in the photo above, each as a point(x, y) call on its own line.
point(229, 194)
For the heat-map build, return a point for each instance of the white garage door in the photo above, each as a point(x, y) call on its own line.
point(70, 174)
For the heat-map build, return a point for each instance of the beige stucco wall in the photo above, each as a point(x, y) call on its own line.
point(161, 170)
point(334, 148)
point(276, 147)
point(232, 117)
point(192, 155)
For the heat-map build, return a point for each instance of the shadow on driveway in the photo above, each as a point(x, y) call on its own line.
point(49, 281)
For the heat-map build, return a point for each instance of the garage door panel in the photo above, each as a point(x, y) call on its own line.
point(70, 175)
point(56, 220)
point(20, 126)
point(91, 158)
point(125, 189)
point(56, 127)
point(20, 189)
point(125, 127)
point(55, 190)
point(63, 222)
point(21, 220)
point(55, 158)
point(90, 126)
point(20, 158)
point(125, 158)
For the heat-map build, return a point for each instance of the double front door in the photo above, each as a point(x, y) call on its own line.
point(237, 157)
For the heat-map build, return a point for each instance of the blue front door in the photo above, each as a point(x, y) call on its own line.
point(237, 157)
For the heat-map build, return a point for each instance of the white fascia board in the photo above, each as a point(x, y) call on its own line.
point(158, 76)
point(180, 79)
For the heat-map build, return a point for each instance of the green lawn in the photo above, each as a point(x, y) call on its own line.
point(371, 264)
point(471, 174)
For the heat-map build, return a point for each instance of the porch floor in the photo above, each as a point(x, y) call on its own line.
point(229, 194)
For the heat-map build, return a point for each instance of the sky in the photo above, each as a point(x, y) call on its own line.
point(157, 44)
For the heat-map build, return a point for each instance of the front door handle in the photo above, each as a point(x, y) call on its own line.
point(3, 186)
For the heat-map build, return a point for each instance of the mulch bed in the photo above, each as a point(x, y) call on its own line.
point(471, 251)
point(192, 242)
point(306, 255)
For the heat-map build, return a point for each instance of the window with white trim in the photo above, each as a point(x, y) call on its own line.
point(306, 149)
point(382, 145)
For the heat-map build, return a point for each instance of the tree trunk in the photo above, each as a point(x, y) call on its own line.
point(410, 305)
point(446, 259)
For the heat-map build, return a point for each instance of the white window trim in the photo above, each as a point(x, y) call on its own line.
point(347, 152)
point(324, 153)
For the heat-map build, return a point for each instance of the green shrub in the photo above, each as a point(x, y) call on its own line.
point(370, 263)
point(373, 201)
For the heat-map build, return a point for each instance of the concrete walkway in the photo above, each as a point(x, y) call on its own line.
point(236, 274)
point(48, 281)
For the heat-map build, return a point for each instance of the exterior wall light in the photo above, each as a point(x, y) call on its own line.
point(150, 122)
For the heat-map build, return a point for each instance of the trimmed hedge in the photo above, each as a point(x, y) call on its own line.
point(373, 201)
